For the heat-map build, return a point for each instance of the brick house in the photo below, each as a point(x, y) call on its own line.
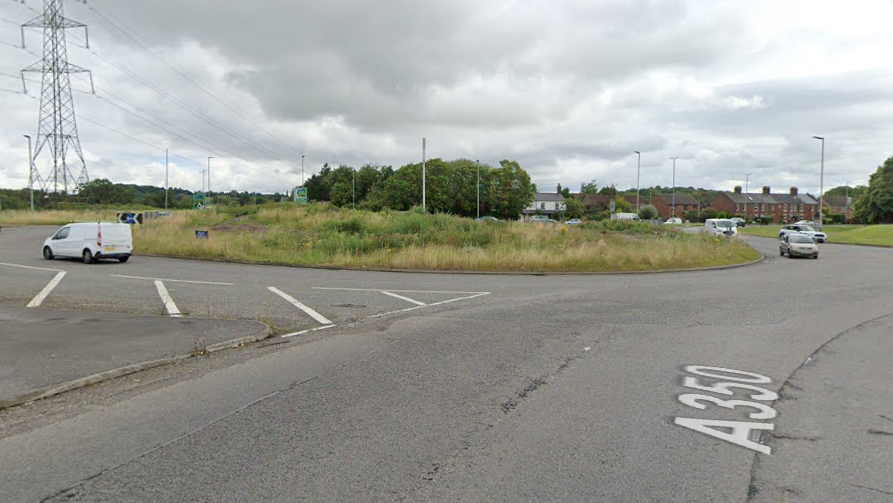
point(664, 205)
point(597, 202)
point(838, 205)
point(780, 208)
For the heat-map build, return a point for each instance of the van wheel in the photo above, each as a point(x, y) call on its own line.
point(47, 253)
point(123, 259)
point(88, 257)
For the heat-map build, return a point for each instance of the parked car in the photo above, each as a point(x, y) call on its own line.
point(819, 237)
point(739, 221)
point(815, 225)
point(625, 216)
point(797, 244)
point(574, 221)
point(538, 218)
point(487, 218)
point(720, 227)
point(90, 241)
point(674, 221)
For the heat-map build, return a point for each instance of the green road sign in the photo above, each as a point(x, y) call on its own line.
point(198, 201)
point(300, 195)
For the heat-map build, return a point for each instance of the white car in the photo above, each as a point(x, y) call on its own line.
point(674, 221)
point(720, 227)
point(625, 216)
point(798, 244)
point(90, 241)
point(819, 237)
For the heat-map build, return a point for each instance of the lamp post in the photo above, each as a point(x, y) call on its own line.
point(821, 182)
point(423, 175)
point(353, 189)
point(479, 187)
point(638, 177)
point(746, 180)
point(166, 180)
point(674, 185)
point(846, 204)
point(30, 173)
point(302, 171)
point(209, 180)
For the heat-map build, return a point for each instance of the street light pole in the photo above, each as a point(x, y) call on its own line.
point(166, 182)
point(821, 182)
point(638, 178)
point(30, 173)
point(479, 187)
point(209, 180)
point(674, 185)
point(746, 179)
point(424, 208)
point(302, 171)
point(354, 187)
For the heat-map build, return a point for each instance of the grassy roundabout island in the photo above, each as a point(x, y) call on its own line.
point(323, 235)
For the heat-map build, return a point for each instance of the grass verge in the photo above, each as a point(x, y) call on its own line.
point(16, 218)
point(320, 235)
point(877, 235)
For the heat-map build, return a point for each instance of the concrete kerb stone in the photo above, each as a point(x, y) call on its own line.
point(64, 387)
point(483, 273)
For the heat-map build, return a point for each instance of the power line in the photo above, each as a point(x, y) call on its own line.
point(130, 32)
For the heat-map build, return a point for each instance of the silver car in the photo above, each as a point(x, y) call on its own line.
point(798, 245)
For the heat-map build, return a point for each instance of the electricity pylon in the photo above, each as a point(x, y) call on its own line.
point(57, 129)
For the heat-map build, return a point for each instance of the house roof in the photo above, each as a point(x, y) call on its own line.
point(836, 201)
point(681, 200)
point(594, 199)
point(751, 198)
point(548, 197)
point(794, 199)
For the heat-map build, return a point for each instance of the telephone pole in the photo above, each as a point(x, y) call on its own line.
point(57, 125)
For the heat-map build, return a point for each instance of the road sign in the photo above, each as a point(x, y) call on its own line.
point(198, 200)
point(201, 234)
point(300, 195)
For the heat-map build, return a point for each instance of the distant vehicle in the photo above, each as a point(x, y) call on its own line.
point(739, 221)
point(574, 221)
point(90, 241)
point(625, 216)
point(815, 225)
point(487, 218)
point(674, 221)
point(538, 218)
point(797, 244)
point(819, 237)
point(720, 227)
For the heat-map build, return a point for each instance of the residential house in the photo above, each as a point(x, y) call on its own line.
point(597, 202)
point(664, 204)
point(778, 207)
point(546, 203)
point(838, 205)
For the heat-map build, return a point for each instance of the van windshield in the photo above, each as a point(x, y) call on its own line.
point(725, 223)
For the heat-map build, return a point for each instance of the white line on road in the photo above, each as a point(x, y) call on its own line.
point(389, 289)
point(168, 301)
point(30, 267)
point(407, 299)
point(429, 305)
point(286, 336)
point(37, 301)
point(293, 301)
point(172, 280)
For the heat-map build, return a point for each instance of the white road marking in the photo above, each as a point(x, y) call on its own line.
point(481, 294)
point(407, 299)
point(286, 336)
point(168, 301)
point(173, 280)
point(389, 289)
point(38, 300)
point(293, 301)
point(29, 267)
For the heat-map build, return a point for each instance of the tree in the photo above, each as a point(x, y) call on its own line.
point(589, 188)
point(573, 207)
point(876, 206)
point(566, 192)
point(510, 190)
point(648, 212)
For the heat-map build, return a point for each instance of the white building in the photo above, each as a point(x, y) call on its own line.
point(547, 203)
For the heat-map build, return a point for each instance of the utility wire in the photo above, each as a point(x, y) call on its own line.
point(134, 35)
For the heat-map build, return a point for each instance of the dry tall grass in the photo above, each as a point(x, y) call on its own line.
point(322, 236)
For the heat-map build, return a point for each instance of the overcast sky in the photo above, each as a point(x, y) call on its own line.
point(569, 88)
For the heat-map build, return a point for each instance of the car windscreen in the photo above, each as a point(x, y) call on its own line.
point(800, 238)
point(725, 223)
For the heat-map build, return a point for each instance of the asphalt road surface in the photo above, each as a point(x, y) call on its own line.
point(517, 388)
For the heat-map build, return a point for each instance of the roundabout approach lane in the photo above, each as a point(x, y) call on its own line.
point(557, 388)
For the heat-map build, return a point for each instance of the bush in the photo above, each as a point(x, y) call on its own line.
point(836, 218)
point(647, 212)
point(692, 216)
point(709, 213)
point(722, 214)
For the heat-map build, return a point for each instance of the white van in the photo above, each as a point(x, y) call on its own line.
point(90, 241)
point(720, 227)
point(625, 216)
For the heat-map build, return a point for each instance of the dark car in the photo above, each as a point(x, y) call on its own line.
point(739, 221)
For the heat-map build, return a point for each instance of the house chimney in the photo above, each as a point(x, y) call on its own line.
point(559, 188)
point(766, 190)
point(793, 191)
point(737, 189)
